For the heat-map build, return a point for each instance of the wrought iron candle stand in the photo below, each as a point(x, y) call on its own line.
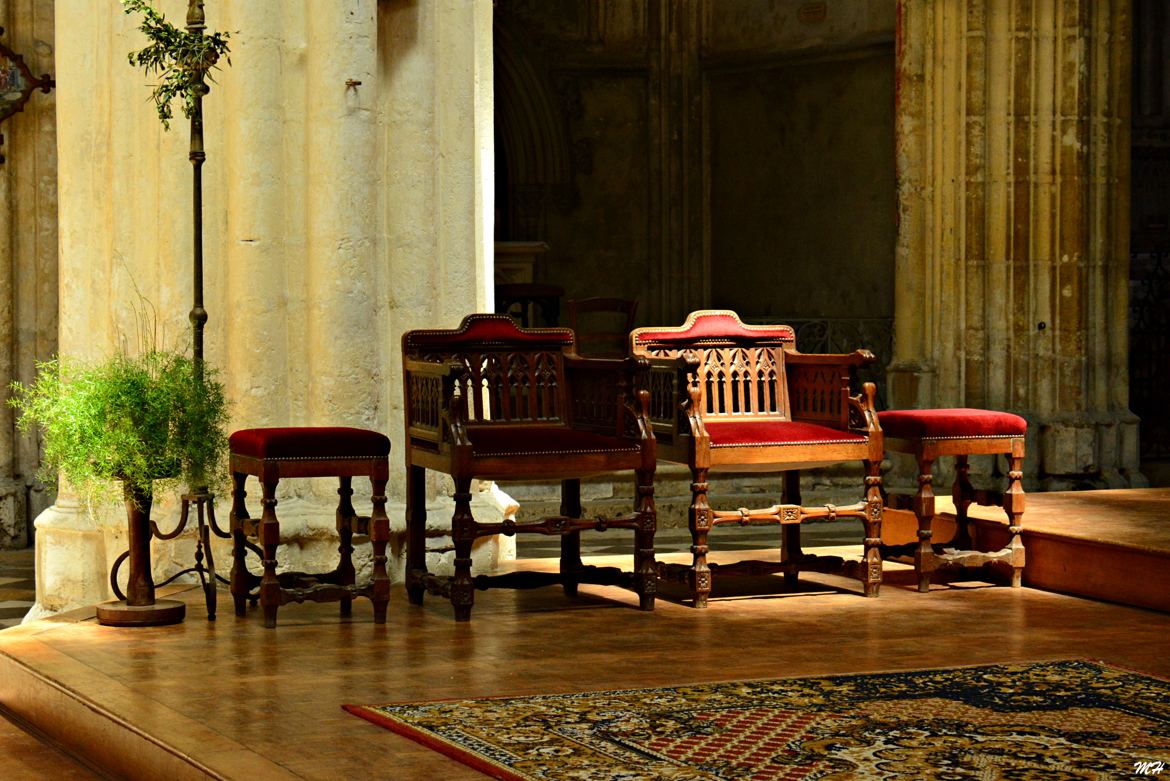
point(199, 496)
point(138, 607)
point(139, 539)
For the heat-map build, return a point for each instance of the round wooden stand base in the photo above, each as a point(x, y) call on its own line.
point(163, 611)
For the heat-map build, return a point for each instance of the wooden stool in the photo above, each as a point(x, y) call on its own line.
point(929, 433)
point(273, 453)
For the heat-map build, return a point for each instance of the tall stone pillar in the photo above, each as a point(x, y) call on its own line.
point(28, 261)
point(680, 262)
point(347, 197)
point(436, 199)
point(436, 203)
point(1012, 254)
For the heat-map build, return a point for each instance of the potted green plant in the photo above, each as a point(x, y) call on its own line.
point(139, 420)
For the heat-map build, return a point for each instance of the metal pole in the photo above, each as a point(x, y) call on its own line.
point(199, 494)
point(196, 23)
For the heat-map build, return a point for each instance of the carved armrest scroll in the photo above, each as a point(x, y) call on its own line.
point(863, 416)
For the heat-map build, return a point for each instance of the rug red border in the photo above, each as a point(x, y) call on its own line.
point(469, 758)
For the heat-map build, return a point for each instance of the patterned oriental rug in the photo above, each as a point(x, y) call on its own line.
point(1052, 720)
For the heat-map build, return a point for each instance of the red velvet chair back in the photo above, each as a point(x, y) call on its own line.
point(741, 367)
point(511, 374)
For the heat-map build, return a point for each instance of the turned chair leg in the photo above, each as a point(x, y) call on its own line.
point(269, 540)
point(239, 581)
point(416, 529)
point(873, 528)
point(963, 494)
point(379, 537)
point(924, 512)
point(790, 548)
point(699, 519)
point(463, 535)
point(1013, 505)
point(345, 514)
point(645, 568)
point(570, 541)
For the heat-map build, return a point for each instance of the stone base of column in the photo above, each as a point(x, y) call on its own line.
point(1086, 451)
point(71, 568)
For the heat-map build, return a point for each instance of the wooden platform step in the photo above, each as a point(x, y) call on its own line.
point(1112, 545)
point(25, 756)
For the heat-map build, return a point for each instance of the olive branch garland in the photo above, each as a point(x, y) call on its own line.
point(181, 58)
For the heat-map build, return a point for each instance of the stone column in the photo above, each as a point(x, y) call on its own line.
point(347, 197)
point(436, 210)
point(72, 555)
point(28, 261)
point(1012, 255)
point(680, 256)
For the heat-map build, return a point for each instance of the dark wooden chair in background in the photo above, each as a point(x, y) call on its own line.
point(492, 401)
point(602, 325)
point(531, 303)
point(734, 397)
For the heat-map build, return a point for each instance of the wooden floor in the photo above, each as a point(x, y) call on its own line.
point(231, 699)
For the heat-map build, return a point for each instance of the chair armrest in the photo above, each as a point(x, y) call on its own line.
point(435, 410)
point(675, 397)
point(854, 359)
point(606, 395)
point(819, 386)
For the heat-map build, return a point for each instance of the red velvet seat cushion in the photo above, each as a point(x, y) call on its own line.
point(957, 423)
point(309, 442)
point(764, 433)
point(543, 440)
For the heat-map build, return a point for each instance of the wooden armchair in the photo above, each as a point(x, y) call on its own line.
point(734, 397)
point(602, 326)
point(493, 401)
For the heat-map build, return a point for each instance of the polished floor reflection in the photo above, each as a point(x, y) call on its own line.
point(231, 699)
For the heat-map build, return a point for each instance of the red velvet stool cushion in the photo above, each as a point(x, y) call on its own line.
point(957, 423)
point(309, 442)
point(764, 433)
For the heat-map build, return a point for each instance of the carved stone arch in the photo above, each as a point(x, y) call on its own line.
point(534, 154)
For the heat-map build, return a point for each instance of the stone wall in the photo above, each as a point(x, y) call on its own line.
point(719, 153)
